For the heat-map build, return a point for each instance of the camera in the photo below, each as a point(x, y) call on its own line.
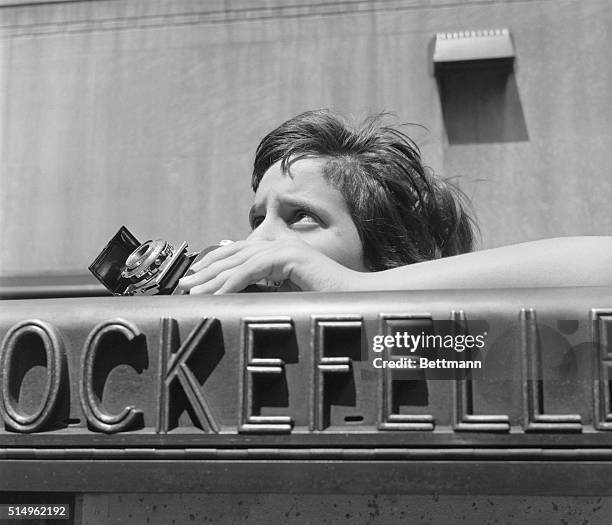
point(127, 267)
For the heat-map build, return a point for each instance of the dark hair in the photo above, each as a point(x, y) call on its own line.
point(403, 213)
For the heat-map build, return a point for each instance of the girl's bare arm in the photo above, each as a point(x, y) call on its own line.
point(562, 261)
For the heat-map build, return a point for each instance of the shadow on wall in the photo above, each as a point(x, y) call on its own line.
point(481, 104)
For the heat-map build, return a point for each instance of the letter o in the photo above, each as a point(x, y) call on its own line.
point(53, 345)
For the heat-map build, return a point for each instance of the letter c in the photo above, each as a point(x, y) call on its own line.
point(96, 416)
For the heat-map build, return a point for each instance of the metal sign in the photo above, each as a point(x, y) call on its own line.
point(309, 377)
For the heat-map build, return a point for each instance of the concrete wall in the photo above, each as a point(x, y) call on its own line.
point(147, 113)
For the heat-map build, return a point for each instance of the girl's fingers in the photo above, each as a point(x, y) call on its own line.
point(232, 268)
point(255, 269)
point(216, 267)
point(217, 254)
point(211, 286)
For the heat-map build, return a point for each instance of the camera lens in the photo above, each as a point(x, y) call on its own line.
point(146, 260)
point(140, 252)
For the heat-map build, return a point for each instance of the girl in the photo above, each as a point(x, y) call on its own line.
point(342, 209)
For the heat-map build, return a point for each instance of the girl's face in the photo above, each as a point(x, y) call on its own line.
point(302, 203)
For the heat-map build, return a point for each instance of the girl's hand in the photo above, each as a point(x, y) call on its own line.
point(231, 268)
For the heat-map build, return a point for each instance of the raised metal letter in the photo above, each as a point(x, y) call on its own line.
point(254, 367)
point(463, 414)
point(602, 332)
point(174, 368)
point(97, 417)
point(535, 420)
point(14, 347)
point(389, 416)
point(336, 343)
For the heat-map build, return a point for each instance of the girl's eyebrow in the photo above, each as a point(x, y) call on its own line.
point(292, 202)
point(305, 204)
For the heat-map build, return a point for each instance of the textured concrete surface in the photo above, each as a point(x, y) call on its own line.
point(177, 509)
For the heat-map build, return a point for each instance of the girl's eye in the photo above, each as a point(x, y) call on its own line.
point(301, 217)
point(257, 221)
